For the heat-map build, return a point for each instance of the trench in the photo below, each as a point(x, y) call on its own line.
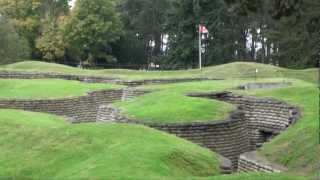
point(254, 122)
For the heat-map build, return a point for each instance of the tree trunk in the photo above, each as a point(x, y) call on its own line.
point(253, 48)
point(243, 44)
point(158, 42)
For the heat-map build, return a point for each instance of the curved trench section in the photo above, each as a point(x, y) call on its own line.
point(255, 121)
point(94, 79)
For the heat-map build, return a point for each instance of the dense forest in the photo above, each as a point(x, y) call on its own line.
point(141, 33)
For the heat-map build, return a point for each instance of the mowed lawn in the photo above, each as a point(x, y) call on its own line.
point(42, 146)
point(47, 88)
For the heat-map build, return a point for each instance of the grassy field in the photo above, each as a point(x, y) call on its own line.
point(35, 145)
point(232, 70)
point(38, 146)
point(47, 88)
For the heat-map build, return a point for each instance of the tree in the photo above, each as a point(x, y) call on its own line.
point(12, 46)
point(51, 44)
point(290, 34)
point(92, 26)
point(23, 15)
point(144, 25)
point(30, 16)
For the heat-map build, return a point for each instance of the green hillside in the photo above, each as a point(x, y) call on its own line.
point(38, 146)
point(231, 70)
point(47, 88)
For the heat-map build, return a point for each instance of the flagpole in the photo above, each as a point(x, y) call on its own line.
point(200, 61)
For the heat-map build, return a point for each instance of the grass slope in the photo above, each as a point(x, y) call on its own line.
point(41, 146)
point(231, 70)
point(46, 88)
point(297, 148)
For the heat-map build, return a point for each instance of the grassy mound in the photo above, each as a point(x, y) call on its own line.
point(169, 103)
point(231, 70)
point(168, 106)
point(38, 146)
point(46, 88)
point(39, 66)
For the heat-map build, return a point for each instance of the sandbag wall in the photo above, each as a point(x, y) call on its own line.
point(92, 79)
point(76, 109)
point(265, 117)
point(36, 75)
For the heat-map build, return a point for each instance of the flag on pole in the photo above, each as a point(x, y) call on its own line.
point(203, 29)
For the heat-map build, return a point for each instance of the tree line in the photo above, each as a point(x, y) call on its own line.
point(140, 33)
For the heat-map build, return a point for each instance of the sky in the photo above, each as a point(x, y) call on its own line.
point(71, 3)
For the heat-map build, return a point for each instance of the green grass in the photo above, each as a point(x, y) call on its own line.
point(169, 103)
point(42, 146)
point(46, 88)
point(231, 70)
point(169, 106)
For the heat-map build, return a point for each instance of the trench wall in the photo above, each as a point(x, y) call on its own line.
point(92, 79)
point(251, 161)
point(89, 108)
point(266, 118)
point(227, 137)
point(36, 75)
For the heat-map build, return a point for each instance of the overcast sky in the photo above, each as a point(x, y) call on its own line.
point(71, 3)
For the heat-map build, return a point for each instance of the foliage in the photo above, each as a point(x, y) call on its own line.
point(289, 27)
point(51, 43)
point(12, 46)
point(92, 26)
point(28, 16)
point(137, 33)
